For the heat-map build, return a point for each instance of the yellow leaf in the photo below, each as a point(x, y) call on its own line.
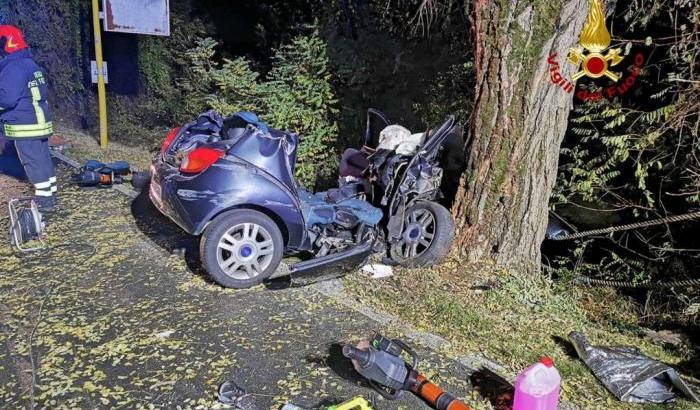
point(89, 387)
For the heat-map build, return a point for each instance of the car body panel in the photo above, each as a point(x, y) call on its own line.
point(330, 266)
point(193, 201)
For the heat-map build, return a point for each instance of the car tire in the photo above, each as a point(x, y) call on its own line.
point(427, 236)
point(241, 248)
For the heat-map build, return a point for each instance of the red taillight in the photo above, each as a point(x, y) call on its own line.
point(200, 159)
point(169, 139)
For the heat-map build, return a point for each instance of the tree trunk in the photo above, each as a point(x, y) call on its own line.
point(517, 127)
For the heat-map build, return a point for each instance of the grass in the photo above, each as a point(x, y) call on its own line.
point(82, 147)
point(515, 320)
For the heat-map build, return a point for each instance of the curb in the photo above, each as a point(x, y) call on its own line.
point(334, 289)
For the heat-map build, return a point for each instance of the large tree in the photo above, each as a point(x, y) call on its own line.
point(517, 126)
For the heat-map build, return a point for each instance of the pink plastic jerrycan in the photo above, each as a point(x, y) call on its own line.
point(537, 387)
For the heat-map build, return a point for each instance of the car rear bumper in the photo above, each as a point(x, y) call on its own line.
point(163, 194)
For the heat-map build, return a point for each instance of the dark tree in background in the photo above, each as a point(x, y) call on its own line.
point(53, 31)
point(517, 126)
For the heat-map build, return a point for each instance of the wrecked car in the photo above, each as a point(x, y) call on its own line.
point(231, 180)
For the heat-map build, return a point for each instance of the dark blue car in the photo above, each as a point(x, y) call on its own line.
point(231, 180)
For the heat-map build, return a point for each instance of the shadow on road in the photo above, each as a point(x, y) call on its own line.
point(165, 233)
point(494, 388)
point(342, 366)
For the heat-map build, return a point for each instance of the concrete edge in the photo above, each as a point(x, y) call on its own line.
point(334, 289)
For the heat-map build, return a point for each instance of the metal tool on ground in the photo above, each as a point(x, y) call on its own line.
point(26, 225)
point(356, 403)
point(233, 395)
point(95, 174)
point(382, 363)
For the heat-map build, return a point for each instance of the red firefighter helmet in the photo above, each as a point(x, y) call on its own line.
point(12, 39)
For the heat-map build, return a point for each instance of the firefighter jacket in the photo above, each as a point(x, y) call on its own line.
point(24, 111)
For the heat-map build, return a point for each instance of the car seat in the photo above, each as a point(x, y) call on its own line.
point(353, 163)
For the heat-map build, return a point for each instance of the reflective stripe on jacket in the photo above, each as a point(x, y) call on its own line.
point(24, 111)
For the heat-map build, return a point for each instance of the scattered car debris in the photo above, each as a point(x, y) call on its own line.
point(556, 228)
point(630, 375)
point(165, 334)
point(378, 270)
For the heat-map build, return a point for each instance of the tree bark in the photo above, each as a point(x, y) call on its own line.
point(517, 127)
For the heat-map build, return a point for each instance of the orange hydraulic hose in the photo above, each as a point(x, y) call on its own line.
point(435, 396)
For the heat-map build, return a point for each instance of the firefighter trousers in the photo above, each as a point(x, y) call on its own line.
point(36, 159)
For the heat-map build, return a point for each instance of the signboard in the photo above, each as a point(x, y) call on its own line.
point(93, 71)
point(137, 16)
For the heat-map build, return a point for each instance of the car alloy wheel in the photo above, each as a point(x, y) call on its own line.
point(245, 251)
point(427, 235)
point(418, 233)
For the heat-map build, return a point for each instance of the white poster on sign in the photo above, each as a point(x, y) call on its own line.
point(93, 71)
point(137, 16)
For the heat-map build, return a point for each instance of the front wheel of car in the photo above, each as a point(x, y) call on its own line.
point(241, 248)
point(427, 235)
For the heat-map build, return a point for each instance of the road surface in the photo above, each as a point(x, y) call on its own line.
point(113, 316)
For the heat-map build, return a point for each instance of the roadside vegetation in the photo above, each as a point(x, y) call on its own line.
point(512, 320)
point(637, 157)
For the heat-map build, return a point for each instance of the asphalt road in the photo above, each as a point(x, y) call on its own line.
point(113, 316)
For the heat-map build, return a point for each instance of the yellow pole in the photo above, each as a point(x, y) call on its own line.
point(101, 91)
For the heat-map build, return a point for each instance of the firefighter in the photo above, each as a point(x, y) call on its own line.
point(25, 118)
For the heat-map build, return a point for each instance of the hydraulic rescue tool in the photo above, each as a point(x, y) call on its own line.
point(100, 175)
point(382, 364)
point(237, 397)
point(26, 225)
point(357, 403)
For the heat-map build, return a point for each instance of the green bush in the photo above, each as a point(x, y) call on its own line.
point(296, 95)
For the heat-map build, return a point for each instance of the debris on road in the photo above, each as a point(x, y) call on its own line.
point(377, 270)
point(232, 394)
